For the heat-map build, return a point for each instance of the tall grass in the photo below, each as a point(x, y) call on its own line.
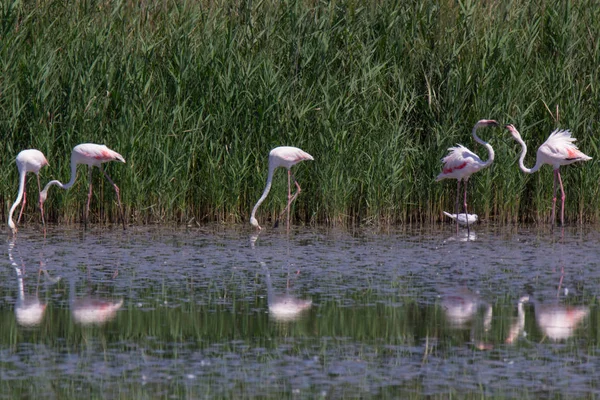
point(195, 94)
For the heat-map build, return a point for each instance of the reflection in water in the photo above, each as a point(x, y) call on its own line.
point(519, 324)
point(29, 311)
point(461, 309)
point(90, 310)
point(559, 322)
point(282, 307)
point(463, 237)
point(379, 332)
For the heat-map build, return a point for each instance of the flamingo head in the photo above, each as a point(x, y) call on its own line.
point(254, 223)
point(486, 122)
point(12, 226)
point(513, 131)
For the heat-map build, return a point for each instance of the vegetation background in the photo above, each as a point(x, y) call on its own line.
point(194, 94)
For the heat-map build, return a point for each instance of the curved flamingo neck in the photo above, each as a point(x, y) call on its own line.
point(265, 192)
point(22, 174)
point(537, 165)
point(270, 294)
point(489, 147)
point(64, 185)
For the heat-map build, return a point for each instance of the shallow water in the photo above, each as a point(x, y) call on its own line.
point(222, 312)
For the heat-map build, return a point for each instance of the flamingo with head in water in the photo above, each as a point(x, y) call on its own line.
point(283, 156)
point(27, 161)
point(92, 155)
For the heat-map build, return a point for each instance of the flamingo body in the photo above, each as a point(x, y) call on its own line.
point(286, 157)
point(94, 311)
point(461, 163)
point(287, 307)
point(559, 322)
point(92, 155)
point(557, 150)
point(30, 160)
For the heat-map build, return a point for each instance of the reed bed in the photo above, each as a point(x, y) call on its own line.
point(195, 94)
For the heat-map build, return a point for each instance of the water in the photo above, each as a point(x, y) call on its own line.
point(222, 312)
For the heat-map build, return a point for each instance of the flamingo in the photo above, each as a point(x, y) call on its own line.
point(91, 310)
point(91, 155)
point(559, 322)
point(284, 307)
point(557, 150)
point(283, 156)
point(27, 161)
point(519, 324)
point(461, 163)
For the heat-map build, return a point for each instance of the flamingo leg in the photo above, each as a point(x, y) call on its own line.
point(41, 204)
point(290, 201)
point(554, 200)
point(562, 276)
point(298, 190)
point(456, 203)
point(465, 205)
point(22, 205)
point(118, 194)
point(87, 207)
point(563, 197)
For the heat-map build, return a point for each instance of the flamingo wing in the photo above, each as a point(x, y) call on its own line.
point(94, 154)
point(291, 154)
point(460, 163)
point(559, 149)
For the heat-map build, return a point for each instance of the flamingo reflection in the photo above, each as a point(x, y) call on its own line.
point(90, 310)
point(461, 309)
point(284, 307)
point(463, 237)
point(559, 322)
point(29, 311)
point(518, 325)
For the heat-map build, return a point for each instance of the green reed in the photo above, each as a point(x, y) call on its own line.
point(195, 94)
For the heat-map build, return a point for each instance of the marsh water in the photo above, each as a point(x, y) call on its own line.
point(214, 312)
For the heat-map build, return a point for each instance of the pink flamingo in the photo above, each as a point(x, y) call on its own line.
point(283, 156)
point(27, 161)
point(461, 163)
point(91, 155)
point(557, 150)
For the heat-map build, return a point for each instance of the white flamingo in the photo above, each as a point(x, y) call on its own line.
point(283, 156)
point(461, 163)
point(27, 161)
point(557, 150)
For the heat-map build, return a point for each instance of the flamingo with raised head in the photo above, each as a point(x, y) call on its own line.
point(92, 155)
point(30, 160)
point(461, 163)
point(557, 150)
point(283, 156)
